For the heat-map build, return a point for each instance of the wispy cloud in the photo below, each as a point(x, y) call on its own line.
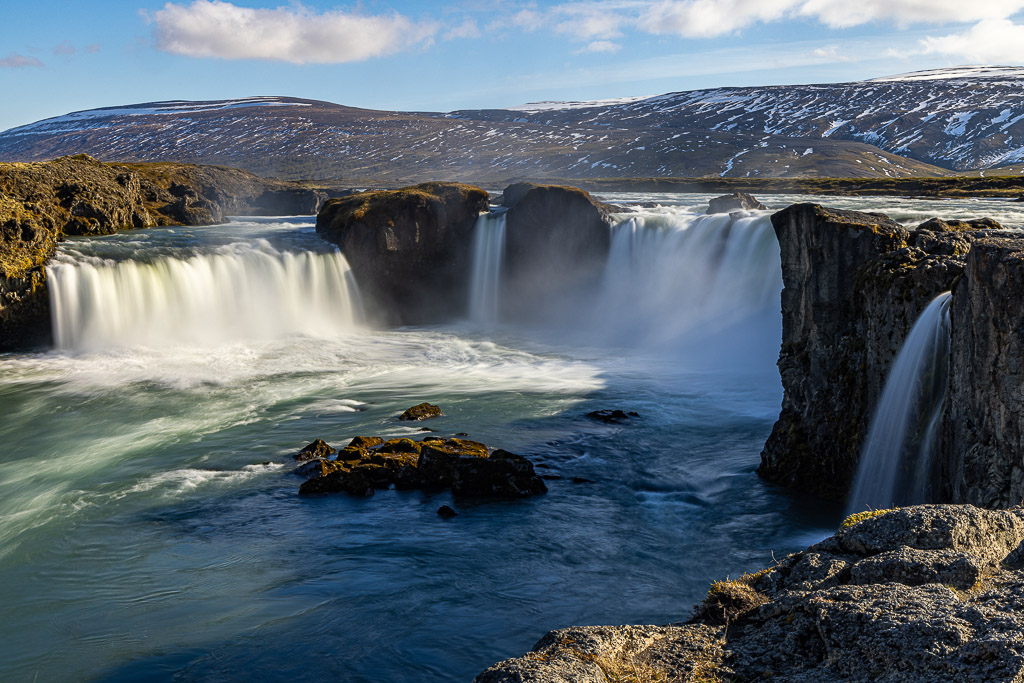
point(605, 19)
point(600, 46)
point(296, 34)
point(467, 29)
point(16, 61)
point(64, 48)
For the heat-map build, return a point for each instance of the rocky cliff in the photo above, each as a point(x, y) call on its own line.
point(927, 593)
point(983, 430)
point(42, 202)
point(556, 242)
point(409, 249)
point(854, 283)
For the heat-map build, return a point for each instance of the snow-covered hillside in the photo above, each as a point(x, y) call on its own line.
point(913, 124)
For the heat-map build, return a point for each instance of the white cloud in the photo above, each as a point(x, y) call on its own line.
point(587, 21)
point(995, 41)
point(212, 28)
point(600, 46)
point(845, 13)
point(64, 48)
point(710, 18)
point(467, 29)
point(16, 61)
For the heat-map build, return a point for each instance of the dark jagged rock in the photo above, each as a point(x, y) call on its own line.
point(982, 431)
point(317, 467)
point(422, 411)
point(289, 202)
point(433, 463)
point(445, 512)
point(556, 241)
point(612, 416)
point(316, 449)
point(354, 483)
point(927, 593)
point(737, 201)
point(854, 285)
point(941, 225)
point(502, 475)
point(410, 248)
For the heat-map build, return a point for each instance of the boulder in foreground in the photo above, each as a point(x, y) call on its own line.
point(926, 593)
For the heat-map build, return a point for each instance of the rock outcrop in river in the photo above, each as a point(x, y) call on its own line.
point(42, 202)
point(556, 242)
point(926, 593)
point(409, 248)
point(854, 284)
point(467, 467)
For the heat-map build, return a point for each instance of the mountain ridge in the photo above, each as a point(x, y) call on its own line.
point(926, 124)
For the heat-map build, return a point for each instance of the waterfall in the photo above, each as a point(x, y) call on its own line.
point(897, 463)
point(244, 291)
point(488, 254)
point(671, 277)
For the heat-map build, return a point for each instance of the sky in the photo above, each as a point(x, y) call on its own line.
point(58, 57)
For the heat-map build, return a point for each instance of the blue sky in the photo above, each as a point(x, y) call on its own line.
point(57, 57)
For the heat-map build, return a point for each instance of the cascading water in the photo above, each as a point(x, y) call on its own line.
point(897, 463)
point(672, 275)
point(488, 253)
point(241, 292)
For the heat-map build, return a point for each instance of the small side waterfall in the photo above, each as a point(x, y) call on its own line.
point(243, 292)
point(897, 463)
point(488, 254)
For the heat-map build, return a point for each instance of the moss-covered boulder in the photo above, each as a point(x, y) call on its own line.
point(316, 449)
point(409, 248)
point(467, 467)
point(422, 411)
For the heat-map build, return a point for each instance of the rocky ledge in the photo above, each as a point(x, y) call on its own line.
point(468, 468)
point(854, 283)
point(411, 249)
point(40, 203)
point(926, 593)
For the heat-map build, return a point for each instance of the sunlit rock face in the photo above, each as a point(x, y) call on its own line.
point(409, 248)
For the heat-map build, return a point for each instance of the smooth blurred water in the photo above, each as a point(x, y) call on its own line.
point(150, 529)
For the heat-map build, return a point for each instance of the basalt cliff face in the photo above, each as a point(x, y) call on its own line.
point(983, 431)
point(411, 249)
point(40, 203)
point(926, 593)
point(854, 285)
